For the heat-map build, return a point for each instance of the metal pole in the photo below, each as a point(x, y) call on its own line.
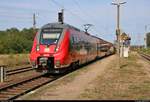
point(118, 27)
point(119, 35)
point(145, 36)
point(34, 22)
point(118, 16)
point(2, 74)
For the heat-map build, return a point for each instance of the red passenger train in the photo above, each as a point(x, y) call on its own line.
point(58, 47)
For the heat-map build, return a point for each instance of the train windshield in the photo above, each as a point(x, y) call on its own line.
point(50, 36)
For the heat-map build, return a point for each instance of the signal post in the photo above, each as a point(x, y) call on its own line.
point(118, 27)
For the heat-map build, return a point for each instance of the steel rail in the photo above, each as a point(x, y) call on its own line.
point(146, 56)
point(21, 87)
point(19, 70)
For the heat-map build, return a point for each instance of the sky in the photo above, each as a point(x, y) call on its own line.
point(135, 15)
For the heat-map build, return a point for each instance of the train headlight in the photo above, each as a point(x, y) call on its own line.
point(57, 48)
point(37, 48)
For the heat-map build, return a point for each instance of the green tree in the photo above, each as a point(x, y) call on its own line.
point(15, 41)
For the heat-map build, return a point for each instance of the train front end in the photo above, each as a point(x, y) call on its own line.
point(50, 49)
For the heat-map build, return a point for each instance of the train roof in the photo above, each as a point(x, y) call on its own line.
point(65, 25)
point(101, 39)
point(59, 25)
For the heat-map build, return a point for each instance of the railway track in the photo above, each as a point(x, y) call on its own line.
point(146, 56)
point(19, 70)
point(11, 91)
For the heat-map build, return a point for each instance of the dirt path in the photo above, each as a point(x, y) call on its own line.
point(72, 85)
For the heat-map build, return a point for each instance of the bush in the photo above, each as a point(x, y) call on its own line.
point(13, 41)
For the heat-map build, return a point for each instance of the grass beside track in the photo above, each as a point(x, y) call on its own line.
point(13, 60)
point(146, 51)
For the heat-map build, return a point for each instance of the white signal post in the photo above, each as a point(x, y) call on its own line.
point(118, 26)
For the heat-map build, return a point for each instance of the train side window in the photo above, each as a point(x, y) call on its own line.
point(72, 40)
point(76, 39)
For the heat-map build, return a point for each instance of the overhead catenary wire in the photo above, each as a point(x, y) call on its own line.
point(83, 11)
point(81, 19)
point(87, 15)
point(67, 10)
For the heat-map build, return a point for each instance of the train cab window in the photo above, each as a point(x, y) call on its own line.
point(50, 36)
